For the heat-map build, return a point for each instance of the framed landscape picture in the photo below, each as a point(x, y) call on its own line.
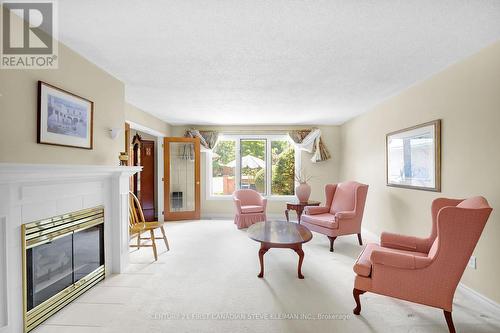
point(64, 119)
point(413, 157)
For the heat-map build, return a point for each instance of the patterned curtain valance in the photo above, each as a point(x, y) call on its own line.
point(208, 139)
point(310, 141)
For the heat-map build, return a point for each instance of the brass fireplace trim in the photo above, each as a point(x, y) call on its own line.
point(47, 230)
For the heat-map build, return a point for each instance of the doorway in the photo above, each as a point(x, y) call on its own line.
point(182, 178)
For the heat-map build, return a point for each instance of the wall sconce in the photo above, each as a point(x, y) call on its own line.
point(114, 132)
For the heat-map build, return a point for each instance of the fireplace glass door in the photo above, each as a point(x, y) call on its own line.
point(88, 253)
point(50, 268)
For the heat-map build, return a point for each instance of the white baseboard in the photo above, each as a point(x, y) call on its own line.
point(217, 216)
point(230, 216)
point(494, 306)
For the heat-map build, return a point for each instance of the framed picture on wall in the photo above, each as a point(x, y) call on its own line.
point(64, 119)
point(413, 157)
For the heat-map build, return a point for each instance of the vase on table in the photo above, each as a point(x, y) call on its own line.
point(303, 192)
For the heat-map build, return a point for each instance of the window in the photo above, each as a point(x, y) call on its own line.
point(265, 163)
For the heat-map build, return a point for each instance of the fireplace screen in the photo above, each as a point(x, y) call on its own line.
point(54, 266)
point(64, 256)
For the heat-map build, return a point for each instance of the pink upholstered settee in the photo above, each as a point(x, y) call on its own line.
point(342, 213)
point(424, 270)
point(250, 208)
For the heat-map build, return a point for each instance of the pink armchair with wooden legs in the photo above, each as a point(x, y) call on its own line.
point(250, 208)
point(424, 270)
point(342, 213)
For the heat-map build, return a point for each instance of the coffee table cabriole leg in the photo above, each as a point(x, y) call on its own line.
point(262, 251)
point(299, 251)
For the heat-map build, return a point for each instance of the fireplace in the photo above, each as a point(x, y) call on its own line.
point(63, 257)
point(35, 192)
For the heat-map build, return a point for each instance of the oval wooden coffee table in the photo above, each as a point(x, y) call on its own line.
point(280, 235)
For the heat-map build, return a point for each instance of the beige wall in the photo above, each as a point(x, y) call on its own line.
point(466, 96)
point(323, 172)
point(18, 112)
point(138, 116)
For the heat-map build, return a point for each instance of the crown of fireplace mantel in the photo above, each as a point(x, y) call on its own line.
point(23, 172)
point(30, 192)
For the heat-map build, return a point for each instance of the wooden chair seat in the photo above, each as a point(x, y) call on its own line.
point(145, 226)
point(138, 225)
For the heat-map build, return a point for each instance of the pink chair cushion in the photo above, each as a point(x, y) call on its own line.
point(251, 209)
point(325, 220)
point(363, 265)
point(344, 198)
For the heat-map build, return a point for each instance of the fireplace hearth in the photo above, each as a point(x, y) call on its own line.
point(63, 257)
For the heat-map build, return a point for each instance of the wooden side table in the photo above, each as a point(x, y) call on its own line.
point(298, 207)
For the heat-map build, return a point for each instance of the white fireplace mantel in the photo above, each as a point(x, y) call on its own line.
point(30, 192)
point(11, 172)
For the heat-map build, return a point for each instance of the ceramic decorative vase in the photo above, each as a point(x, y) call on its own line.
point(303, 192)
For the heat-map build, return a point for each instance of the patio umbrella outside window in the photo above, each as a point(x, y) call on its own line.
point(248, 161)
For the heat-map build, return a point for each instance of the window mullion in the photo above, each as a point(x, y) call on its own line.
point(268, 166)
point(237, 169)
point(298, 164)
point(209, 173)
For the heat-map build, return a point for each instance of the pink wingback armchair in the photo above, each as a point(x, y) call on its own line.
point(250, 208)
point(341, 215)
point(424, 270)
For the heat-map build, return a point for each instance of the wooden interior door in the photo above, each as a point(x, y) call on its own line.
point(182, 178)
point(147, 180)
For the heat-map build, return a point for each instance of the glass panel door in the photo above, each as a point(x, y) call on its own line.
point(182, 178)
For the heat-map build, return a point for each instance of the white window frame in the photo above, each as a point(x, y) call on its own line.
point(237, 137)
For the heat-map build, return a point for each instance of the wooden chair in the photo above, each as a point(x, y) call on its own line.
point(138, 226)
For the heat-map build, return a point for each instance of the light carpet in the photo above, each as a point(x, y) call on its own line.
point(208, 282)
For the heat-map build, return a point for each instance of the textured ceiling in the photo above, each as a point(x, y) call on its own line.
point(273, 62)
